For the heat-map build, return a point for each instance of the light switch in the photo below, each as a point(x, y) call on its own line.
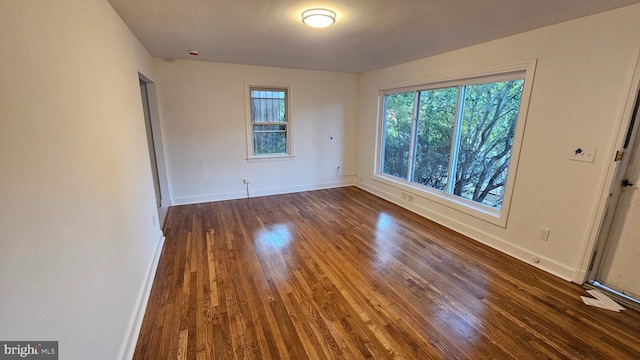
point(583, 154)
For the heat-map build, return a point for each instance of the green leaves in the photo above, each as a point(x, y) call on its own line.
point(398, 119)
point(466, 129)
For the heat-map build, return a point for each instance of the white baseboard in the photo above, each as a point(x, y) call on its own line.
point(579, 276)
point(130, 338)
point(188, 200)
point(301, 188)
point(545, 264)
point(261, 192)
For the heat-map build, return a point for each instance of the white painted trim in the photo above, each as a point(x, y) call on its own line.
point(271, 158)
point(162, 215)
point(301, 188)
point(517, 252)
point(262, 192)
point(579, 276)
point(457, 203)
point(158, 141)
point(188, 200)
point(132, 332)
point(482, 73)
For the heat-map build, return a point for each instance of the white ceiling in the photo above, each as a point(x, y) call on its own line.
point(367, 35)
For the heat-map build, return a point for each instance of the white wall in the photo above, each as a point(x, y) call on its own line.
point(76, 233)
point(77, 239)
point(203, 119)
point(581, 82)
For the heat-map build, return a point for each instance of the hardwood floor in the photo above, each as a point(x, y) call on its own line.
point(339, 273)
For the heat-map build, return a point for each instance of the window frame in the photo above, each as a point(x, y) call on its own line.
point(268, 86)
point(499, 217)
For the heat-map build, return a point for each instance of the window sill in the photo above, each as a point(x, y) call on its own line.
point(492, 216)
point(282, 157)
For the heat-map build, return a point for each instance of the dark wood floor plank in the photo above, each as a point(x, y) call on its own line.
point(342, 274)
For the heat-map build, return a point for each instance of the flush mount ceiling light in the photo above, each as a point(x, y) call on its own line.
point(318, 18)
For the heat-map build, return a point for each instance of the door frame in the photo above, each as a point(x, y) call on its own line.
point(158, 146)
point(144, 92)
point(603, 247)
point(601, 221)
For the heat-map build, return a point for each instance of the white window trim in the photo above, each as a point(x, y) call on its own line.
point(479, 211)
point(249, 128)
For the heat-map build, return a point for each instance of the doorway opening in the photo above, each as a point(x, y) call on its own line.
point(154, 142)
point(614, 263)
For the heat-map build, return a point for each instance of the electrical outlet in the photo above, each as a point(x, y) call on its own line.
point(406, 196)
point(153, 220)
point(338, 170)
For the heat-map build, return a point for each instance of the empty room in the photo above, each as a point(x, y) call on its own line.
point(364, 179)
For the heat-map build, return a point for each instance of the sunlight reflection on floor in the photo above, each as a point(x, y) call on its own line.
point(385, 248)
point(276, 236)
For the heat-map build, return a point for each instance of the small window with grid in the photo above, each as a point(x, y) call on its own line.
point(269, 127)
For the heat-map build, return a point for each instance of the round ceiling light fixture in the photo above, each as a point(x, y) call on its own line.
point(318, 18)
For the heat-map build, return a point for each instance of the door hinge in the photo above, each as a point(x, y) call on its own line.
point(619, 155)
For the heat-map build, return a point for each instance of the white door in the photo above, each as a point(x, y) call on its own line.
point(620, 266)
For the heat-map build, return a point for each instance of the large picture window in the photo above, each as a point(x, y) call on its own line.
point(454, 141)
point(269, 123)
